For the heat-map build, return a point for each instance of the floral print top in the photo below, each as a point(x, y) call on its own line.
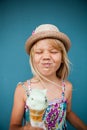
point(54, 117)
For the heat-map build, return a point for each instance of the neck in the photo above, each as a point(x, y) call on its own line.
point(50, 80)
point(45, 78)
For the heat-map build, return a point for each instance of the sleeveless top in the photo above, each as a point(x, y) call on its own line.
point(55, 115)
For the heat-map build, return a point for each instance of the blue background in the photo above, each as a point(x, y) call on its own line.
point(18, 18)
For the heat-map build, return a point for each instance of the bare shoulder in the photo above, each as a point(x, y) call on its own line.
point(68, 85)
point(19, 88)
point(20, 92)
point(68, 89)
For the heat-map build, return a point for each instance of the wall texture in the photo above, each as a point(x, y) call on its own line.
point(17, 20)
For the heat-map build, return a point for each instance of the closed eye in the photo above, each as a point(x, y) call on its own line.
point(54, 51)
point(38, 52)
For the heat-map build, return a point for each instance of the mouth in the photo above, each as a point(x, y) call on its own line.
point(46, 65)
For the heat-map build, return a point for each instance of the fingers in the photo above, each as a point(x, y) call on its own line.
point(29, 127)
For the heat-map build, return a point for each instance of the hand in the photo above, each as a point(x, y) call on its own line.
point(29, 127)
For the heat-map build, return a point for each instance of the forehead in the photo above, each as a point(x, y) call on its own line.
point(46, 43)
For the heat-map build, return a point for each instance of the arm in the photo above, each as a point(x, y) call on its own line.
point(75, 121)
point(72, 117)
point(18, 111)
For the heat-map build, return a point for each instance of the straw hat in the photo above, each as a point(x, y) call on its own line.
point(47, 31)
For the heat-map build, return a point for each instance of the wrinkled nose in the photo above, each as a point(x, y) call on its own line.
point(46, 56)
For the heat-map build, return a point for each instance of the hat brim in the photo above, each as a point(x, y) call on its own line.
point(47, 34)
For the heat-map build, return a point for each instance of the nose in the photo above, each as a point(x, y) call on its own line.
point(46, 56)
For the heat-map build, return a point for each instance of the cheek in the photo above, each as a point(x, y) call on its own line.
point(58, 58)
point(36, 60)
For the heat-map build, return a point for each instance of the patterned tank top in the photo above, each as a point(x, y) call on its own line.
point(54, 117)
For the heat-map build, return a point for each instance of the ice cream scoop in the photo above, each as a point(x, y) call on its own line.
point(37, 99)
point(37, 103)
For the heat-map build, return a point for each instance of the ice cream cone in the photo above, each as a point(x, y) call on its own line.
point(36, 118)
point(37, 103)
point(36, 115)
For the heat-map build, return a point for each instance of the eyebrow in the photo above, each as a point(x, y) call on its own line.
point(40, 48)
point(37, 49)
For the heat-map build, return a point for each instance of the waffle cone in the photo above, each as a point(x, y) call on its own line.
point(36, 115)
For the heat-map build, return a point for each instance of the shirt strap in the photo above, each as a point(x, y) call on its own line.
point(27, 89)
point(63, 90)
point(29, 85)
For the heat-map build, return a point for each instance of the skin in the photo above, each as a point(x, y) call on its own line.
point(47, 60)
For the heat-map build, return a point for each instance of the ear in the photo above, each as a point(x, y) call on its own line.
point(44, 91)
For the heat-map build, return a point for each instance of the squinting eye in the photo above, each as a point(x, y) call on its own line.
point(38, 52)
point(54, 52)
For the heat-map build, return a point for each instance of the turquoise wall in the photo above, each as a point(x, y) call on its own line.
point(18, 18)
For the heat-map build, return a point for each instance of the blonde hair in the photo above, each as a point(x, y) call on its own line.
point(64, 69)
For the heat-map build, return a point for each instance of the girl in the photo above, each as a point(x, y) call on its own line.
point(49, 62)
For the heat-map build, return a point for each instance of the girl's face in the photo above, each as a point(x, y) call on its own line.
point(47, 58)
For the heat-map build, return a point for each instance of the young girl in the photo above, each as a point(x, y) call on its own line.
point(48, 49)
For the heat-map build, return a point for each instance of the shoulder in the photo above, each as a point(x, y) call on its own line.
point(68, 85)
point(68, 88)
point(20, 91)
point(22, 88)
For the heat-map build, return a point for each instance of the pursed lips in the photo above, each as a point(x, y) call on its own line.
point(46, 64)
